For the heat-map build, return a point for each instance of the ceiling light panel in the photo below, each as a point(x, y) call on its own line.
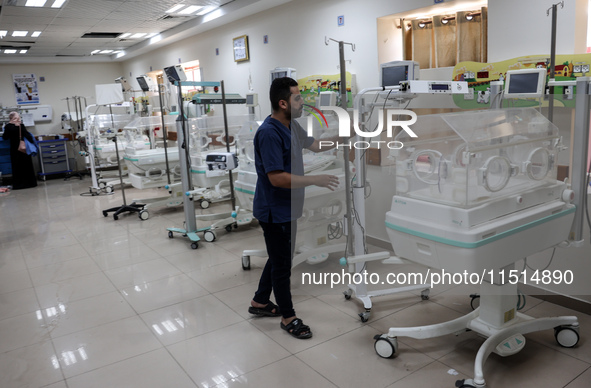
point(35, 3)
point(36, 34)
point(20, 33)
point(189, 10)
point(58, 3)
point(175, 8)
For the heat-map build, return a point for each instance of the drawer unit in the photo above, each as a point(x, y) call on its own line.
point(5, 163)
point(53, 157)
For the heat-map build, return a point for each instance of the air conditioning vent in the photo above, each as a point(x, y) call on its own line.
point(102, 35)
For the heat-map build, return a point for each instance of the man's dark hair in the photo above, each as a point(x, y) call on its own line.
point(280, 91)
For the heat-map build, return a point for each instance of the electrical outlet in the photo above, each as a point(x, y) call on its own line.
point(577, 69)
point(584, 68)
point(469, 95)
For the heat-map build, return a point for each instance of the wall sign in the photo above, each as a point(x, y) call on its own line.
point(25, 88)
point(241, 48)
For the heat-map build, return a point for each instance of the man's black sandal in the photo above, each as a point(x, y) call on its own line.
point(297, 329)
point(266, 311)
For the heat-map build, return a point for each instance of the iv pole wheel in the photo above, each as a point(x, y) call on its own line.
point(566, 336)
point(144, 215)
point(364, 316)
point(209, 236)
point(384, 346)
point(194, 245)
point(425, 294)
point(105, 214)
point(115, 217)
point(204, 204)
point(170, 234)
point(348, 293)
point(245, 262)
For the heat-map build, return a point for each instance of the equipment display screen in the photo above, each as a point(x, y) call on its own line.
point(143, 84)
point(524, 83)
point(391, 76)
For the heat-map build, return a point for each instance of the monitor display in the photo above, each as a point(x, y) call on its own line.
point(525, 83)
point(391, 76)
point(279, 74)
point(143, 84)
point(249, 99)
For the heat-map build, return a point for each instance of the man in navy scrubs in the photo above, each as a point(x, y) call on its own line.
point(279, 199)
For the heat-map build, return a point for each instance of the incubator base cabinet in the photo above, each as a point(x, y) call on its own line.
point(53, 157)
point(477, 192)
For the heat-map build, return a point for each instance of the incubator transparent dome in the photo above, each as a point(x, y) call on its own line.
point(471, 158)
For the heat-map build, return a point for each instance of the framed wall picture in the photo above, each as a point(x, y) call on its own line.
point(241, 48)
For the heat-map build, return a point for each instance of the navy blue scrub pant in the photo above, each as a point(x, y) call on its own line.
point(280, 240)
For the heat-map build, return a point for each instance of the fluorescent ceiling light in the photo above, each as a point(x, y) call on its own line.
point(190, 9)
point(58, 3)
point(121, 54)
point(125, 35)
point(206, 10)
point(155, 38)
point(138, 35)
point(35, 34)
point(35, 3)
point(9, 51)
point(94, 52)
point(3, 33)
point(175, 8)
point(106, 52)
point(23, 51)
point(20, 33)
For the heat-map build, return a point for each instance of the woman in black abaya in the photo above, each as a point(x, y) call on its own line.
point(23, 173)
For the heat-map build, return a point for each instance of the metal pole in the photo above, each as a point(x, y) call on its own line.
point(164, 133)
point(343, 91)
point(232, 197)
point(117, 153)
point(552, 63)
point(581, 139)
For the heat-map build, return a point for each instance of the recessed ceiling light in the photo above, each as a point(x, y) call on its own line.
point(94, 52)
point(206, 10)
point(125, 35)
point(35, 34)
point(106, 52)
point(23, 51)
point(190, 9)
point(7, 51)
point(3, 33)
point(138, 35)
point(58, 3)
point(20, 33)
point(35, 3)
point(175, 8)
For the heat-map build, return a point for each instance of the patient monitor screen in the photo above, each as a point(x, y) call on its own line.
point(391, 76)
point(524, 83)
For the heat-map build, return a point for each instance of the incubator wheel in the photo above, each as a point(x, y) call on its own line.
point(105, 214)
point(204, 204)
point(228, 228)
point(170, 234)
point(364, 316)
point(474, 301)
point(425, 294)
point(348, 293)
point(235, 225)
point(385, 346)
point(102, 185)
point(467, 383)
point(194, 245)
point(209, 236)
point(109, 189)
point(567, 336)
point(144, 215)
point(245, 262)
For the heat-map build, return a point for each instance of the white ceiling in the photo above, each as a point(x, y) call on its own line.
point(62, 29)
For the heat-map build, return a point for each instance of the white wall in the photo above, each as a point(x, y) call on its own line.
point(61, 81)
point(517, 28)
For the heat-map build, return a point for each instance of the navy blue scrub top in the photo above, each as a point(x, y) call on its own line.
point(277, 148)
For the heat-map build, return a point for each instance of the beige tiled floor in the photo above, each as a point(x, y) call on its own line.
point(86, 301)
